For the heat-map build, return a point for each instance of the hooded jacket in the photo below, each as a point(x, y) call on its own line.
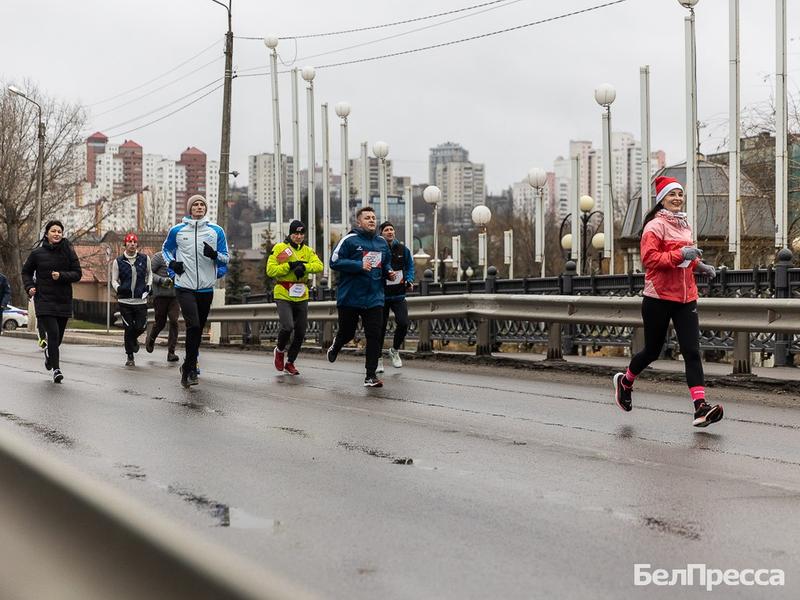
point(401, 261)
point(662, 240)
point(184, 244)
point(284, 276)
point(53, 296)
point(359, 288)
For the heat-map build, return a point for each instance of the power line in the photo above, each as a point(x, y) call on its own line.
point(177, 110)
point(167, 105)
point(382, 26)
point(158, 89)
point(391, 37)
point(164, 74)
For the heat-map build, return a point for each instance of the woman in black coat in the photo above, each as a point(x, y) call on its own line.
point(51, 269)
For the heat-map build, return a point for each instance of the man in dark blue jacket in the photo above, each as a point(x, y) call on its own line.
point(402, 264)
point(362, 260)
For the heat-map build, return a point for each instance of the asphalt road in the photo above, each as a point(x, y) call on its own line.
point(446, 483)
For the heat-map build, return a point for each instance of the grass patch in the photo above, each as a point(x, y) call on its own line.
point(78, 324)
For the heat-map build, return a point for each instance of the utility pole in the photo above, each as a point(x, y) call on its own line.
point(225, 144)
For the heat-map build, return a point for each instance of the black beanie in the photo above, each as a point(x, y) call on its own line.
point(296, 227)
point(384, 225)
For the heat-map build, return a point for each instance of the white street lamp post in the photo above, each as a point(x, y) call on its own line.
point(508, 251)
point(456, 243)
point(381, 151)
point(481, 215)
point(271, 42)
point(690, 189)
point(39, 158)
point(734, 239)
point(644, 96)
point(409, 216)
point(433, 195)
point(365, 196)
point(295, 148)
point(781, 128)
point(342, 110)
point(537, 178)
point(326, 182)
point(308, 74)
point(605, 94)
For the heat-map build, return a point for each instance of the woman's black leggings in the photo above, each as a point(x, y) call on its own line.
point(53, 328)
point(656, 315)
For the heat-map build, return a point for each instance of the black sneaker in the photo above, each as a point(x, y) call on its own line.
point(193, 376)
point(47, 364)
point(622, 395)
point(706, 414)
point(332, 353)
point(58, 376)
point(150, 344)
point(130, 362)
point(185, 377)
point(373, 382)
point(172, 357)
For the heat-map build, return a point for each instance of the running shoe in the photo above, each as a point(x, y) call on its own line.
point(58, 376)
point(706, 414)
point(397, 362)
point(130, 362)
point(290, 369)
point(150, 344)
point(380, 366)
point(172, 357)
point(188, 377)
point(280, 358)
point(622, 395)
point(332, 353)
point(373, 382)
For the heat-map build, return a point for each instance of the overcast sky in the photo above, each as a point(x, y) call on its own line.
point(513, 100)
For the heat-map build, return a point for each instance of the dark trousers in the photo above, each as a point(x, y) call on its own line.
point(53, 329)
point(399, 307)
point(371, 320)
point(166, 307)
point(656, 315)
point(134, 318)
point(195, 307)
point(293, 317)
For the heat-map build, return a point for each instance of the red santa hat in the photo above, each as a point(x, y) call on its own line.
point(131, 237)
point(664, 185)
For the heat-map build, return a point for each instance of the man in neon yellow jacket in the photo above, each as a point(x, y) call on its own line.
point(290, 264)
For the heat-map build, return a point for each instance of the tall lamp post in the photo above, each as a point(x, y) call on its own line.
point(481, 215)
point(381, 151)
point(433, 195)
point(271, 42)
point(537, 178)
point(308, 74)
point(225, 142)
point(342, 111)
point(605, 94)
point(691, 114)
point(39, 158)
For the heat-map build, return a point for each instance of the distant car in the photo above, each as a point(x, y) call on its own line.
point(14, 317)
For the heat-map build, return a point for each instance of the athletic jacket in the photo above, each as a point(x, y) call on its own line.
point(662, 240)
point(286, 282)
point(401, 261)
point(132, 273)
point(162, 282)
point(184, 244)
point(53, 296)
point(359, 288)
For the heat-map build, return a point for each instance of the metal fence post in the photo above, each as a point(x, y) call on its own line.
point(567, 289)
point(486, 327)
point(325, 327)
point(741, 353)
point(425, 345)
point(782, 291)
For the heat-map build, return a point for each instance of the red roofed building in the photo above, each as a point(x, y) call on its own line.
point(95, 145)
point(194, 161)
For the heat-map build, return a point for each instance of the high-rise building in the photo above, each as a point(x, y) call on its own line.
point(261, 178)
point(523, 196)
point(356, 173)
point(463, 186)
point(443, 154)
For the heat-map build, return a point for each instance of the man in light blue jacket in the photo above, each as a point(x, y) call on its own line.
point(196, 252)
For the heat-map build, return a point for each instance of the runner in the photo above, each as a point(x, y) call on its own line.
point(394, 290)
point(48, 274)
point(132, 281)
point(670, 294)
point(362, 259)
point(197, 255)
point(290, 264)
point(5, 298)
point(165, 306)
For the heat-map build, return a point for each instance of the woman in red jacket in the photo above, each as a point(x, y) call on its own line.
point(670, 259)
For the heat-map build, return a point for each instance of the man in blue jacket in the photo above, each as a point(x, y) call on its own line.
point(362, 260)
point(196, 252)
point(402, 265)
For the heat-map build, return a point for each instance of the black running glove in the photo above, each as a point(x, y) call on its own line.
point(209, 251)
point(299, 270)
point(177, 267)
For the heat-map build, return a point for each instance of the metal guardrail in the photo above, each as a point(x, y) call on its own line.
point(67, 536)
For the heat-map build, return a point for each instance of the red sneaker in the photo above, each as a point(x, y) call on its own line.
point(290, 369)
point(280, 357)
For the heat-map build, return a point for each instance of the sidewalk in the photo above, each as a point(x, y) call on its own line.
point(717, 374)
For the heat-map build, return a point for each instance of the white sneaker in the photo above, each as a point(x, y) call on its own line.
point(380, 366)
point(397, 362)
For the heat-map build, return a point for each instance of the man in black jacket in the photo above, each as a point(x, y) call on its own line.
point(5, 298)
point(165, 306)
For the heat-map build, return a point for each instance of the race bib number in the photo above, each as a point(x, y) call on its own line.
point(395, 277)
point(373, 258)
point(298, 290)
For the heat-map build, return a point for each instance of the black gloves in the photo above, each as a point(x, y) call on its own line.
point(124, 293)
point(177, 267)
point(209, 251)
point(300, 270)
point(293, 264)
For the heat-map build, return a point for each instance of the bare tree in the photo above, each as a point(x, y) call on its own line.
point(18, 159)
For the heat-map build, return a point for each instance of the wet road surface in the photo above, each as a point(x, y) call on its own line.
point(445, 483)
